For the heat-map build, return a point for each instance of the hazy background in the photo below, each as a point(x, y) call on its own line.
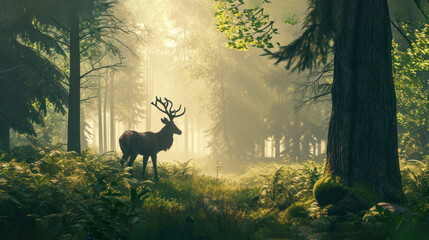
point(240, 108)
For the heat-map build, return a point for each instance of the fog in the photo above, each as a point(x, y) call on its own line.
point(240, 107)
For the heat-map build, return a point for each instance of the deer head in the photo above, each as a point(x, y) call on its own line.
point(172, 114)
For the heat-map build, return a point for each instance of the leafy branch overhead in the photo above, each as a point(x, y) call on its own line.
point(243, 26)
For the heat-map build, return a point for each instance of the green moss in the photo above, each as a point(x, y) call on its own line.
point(329, 190)
point(364, 194)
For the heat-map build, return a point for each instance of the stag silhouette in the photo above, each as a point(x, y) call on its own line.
point(148, 144)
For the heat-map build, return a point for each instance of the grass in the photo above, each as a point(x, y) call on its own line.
point(60, 195)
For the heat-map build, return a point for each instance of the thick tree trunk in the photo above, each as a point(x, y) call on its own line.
point(73, 135)
point(4, 135)
point(362, 139)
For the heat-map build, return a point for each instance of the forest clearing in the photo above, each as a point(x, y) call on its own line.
point(214, 119)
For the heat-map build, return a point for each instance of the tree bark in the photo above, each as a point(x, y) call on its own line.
point(73, 128)
point(4, 135)
point(362, 138)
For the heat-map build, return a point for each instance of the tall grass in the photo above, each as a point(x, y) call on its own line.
point(58, 195)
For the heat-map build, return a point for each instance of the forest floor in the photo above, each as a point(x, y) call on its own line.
point(56, 195)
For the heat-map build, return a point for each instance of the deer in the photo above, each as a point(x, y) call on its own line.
point(149, 144)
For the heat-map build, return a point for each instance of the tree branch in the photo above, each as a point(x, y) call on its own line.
point(11, 69)
point(103, 67)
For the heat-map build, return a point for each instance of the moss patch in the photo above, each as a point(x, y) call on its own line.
point(329, 190)
point(364, 194)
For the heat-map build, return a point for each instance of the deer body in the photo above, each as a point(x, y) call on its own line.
point(149, 144)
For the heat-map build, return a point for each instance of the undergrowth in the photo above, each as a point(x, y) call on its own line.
point(59, 195)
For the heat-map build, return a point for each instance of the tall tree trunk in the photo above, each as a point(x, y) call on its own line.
point(186, 135)
point(4, 134)
point(73, 129)
point(112, 114)
point(277, 139)
point(100, 120)
point(287, 145)
point(305, 152)
point(314, 144)
point(192, 148)
point(319, 147)
point(296, 149)
point(83, 139)
point(148, 88)
point(106, 90)
point(223, 99)
point(362, 139)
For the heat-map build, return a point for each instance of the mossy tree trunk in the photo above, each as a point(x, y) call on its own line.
point(362, 138)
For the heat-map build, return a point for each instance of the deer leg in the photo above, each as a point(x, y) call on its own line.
point(124, 159)
point(154, 167)
point(145, 159)
point(133, 157)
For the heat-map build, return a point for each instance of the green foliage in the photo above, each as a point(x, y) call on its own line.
point(385, 223)
point(64, 196)
point(243, 26)
point(76, 196)
point(296, 211)
point(29, 80)
point(412, 90)
point(415, 179)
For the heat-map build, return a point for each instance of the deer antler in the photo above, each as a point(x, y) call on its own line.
point(168, 105)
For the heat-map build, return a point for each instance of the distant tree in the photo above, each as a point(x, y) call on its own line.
point(88, 32)
point(300, 130)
